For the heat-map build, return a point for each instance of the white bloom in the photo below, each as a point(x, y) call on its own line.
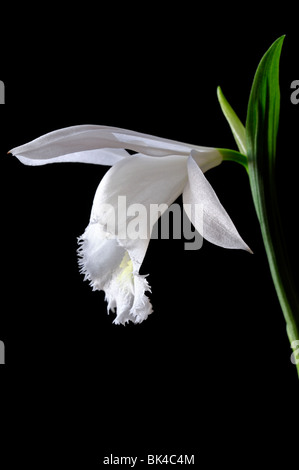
point(112, 263)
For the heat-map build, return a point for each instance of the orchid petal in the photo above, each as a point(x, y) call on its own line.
point(97, 144)
point(216, 225)
point(71, 144)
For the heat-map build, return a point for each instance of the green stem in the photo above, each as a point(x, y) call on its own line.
point(275, 246)
point(234, 156)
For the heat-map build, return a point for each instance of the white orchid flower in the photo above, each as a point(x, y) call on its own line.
point(159, 172)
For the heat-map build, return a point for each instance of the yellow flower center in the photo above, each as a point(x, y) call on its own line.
point(126, 275)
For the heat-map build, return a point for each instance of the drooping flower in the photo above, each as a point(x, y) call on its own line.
point(157, 173)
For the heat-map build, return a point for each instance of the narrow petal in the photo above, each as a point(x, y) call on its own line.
point(215, 225)
point(102, 145)
point(72, 144)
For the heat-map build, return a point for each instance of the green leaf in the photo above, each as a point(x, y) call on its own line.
point(261, 132)
point(236, 125)
point(262, 123)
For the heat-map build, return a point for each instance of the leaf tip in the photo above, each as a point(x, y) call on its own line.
point(220, 95)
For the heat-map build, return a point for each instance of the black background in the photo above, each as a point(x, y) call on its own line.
point(209, 372)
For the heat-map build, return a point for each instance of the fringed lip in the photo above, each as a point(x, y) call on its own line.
point(107, 265)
